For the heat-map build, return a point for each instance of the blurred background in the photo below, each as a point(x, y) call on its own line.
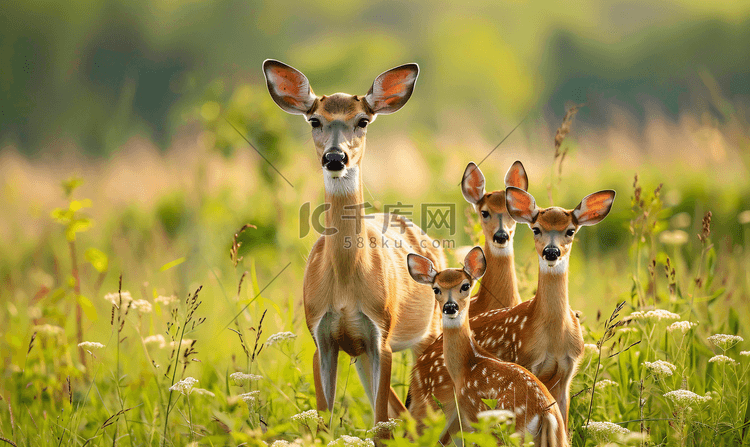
point(135, 101)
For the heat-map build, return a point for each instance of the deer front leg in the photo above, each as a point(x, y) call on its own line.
point(325, 367)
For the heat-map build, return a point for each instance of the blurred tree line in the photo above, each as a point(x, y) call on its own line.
point(92, 73)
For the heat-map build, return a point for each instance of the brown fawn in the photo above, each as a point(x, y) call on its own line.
point(474, 373)
point(357, 293)
point(541, 334)
point(499, 287)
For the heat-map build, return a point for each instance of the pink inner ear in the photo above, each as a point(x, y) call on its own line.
point(595, 205)
point(290, 85)
point(520, 201)
point(393, 85)
point(515, 178)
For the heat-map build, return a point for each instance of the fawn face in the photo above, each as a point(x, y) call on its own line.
point(452, 287)
point(339, 121)
point(497, 225)
point(554, 227)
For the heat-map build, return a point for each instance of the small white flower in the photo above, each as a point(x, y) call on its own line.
point(90, 345)
point(744, 217)
point(49, 330)
point(142, 306)
point(605, 431)
point(250, 398)
point(604, 383)
point(351, 441)
point(185, 343)
point(745, 353)
point(725, 341)
point(283, 443)
point(114, 298)
point(280, 337)
point(388, 425)
point(685, 398)
point(308, 417)
point(722, 359)
point(660, 368)
point(682, 326)
point(242, 378)
point(655, 315)
point(496, 417)
point(590, 349)
point(627, 329)
point(155, 339)
point(676, 237)
point(184, 386)
point(165, 300)
point(203, 392)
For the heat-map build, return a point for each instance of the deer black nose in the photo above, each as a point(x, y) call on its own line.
point(335, 159)
point(500, 237)
point(450, 308)
point(551, 253)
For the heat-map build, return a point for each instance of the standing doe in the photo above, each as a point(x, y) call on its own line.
point(499, 287)
point(542, 334)
point(357, 293)
point(476, 374)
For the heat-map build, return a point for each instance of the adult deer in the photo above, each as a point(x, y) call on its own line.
point(499, 287)
point(474, 373)
point(541, 334)
point(357, 293)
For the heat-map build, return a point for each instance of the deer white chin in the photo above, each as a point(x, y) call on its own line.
point(453, 322)
point(343, 182)
point(506, 250)
point(556, 267)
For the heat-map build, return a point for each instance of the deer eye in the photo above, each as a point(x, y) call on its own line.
point(314, 122)
point(485, 214)
point(436, 290)
point(536, 231)
point(570, 232)
point(465, 287)
point(363, 123)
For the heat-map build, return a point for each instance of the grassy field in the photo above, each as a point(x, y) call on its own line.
point(141, 256)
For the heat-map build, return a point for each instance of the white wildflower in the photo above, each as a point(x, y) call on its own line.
point(744, 217)
point(155, 339)
point(605, 431)
point(655, 315)
point(308, 417)
point(250, 398)
point(165, 300)
point(725, 341)
point(185, 343)
point(351, 441)
point(114, 298)
point(90, 345)
point(676, 237)
point(283, 443)
point(660, 368)
point(49, 330)
point(682, 326)
point(722, 359)
point(636, 438)
point(184, 386)
point(685, 398)
point(242, 378)
point(745, 353)
point(142, 306)
point(627, 329)
point(681, 220)
point(591, 349)
point(388, 425)
point(280, 337)
point(496, 417)
point(604, 383)
point(203, 392)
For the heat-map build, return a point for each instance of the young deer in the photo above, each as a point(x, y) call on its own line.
point(476, 374)
point(541, 334)
point(357, 293)
point(499, 288)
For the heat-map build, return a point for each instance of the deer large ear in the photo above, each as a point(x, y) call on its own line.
point(594, 207)
point(289, 88)
point(520, 205)
point(516, 176)
point(475, 264)
point(421, 269)
point(472, 185)
point(392, 89)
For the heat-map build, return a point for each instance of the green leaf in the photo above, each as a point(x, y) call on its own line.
point(171, 264)
point(88, 308)
point(71, 184)
point(97, 259)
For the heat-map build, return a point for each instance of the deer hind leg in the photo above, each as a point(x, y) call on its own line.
point(325, 365)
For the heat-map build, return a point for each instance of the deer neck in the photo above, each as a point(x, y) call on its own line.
point(499, 286)
point(551, 306)
point(459, 347)
point(345, 219)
